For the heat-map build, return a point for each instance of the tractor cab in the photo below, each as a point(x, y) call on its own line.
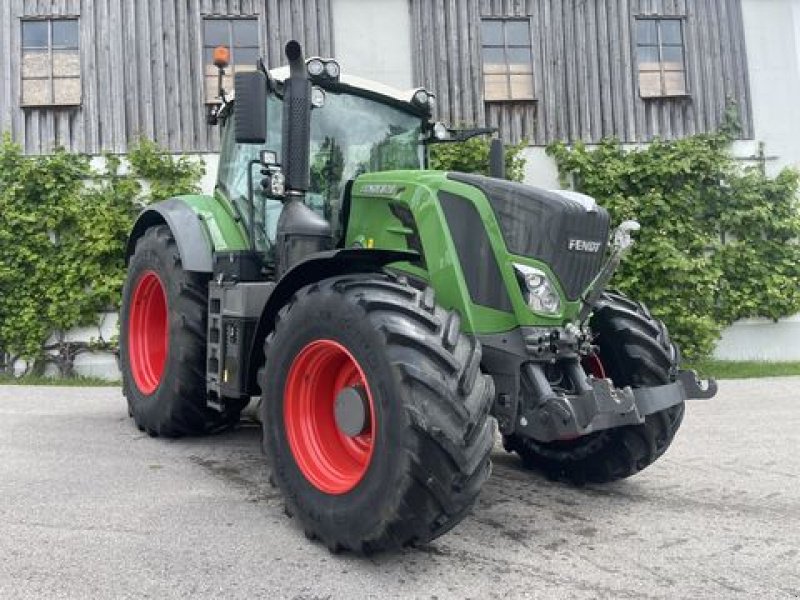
point(357, 126)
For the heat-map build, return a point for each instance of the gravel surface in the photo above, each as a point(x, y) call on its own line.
point(92, 508)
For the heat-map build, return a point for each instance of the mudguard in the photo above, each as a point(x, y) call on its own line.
point(315, 268)
point(193, 242)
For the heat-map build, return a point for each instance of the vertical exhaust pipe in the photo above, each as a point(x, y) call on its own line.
point(300, 231)
point(296, 122)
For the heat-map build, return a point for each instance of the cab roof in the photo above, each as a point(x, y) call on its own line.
point(355, 83)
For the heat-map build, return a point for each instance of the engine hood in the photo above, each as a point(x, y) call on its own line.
point(567, 231)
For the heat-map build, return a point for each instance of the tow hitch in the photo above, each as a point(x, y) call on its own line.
point(599, 405)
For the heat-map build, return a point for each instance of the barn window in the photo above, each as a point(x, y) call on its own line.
point(51, 63)
point(661, 57)
point(507, 59)
point(238, 34)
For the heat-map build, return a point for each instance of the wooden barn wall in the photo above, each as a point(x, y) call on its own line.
point(142, 72)
point(585, 76)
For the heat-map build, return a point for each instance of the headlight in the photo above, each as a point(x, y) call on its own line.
point(332, 69)
point(423, 99)
point(440, 131)
point(539, 292)
point(315, 67)
point(277, 184)
point(317, 97)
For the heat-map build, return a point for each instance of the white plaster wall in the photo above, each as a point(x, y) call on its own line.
point(373, 40)
point(761, 339)
point(772, 35)
point(540, 169)
point(89, 364)
point(98, 364)
point(207, 181)
point(210, 178)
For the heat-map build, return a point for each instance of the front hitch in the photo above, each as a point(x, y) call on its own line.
point(599, 405)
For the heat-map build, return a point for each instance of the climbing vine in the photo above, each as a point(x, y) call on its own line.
point(472, 156)
point(63, 228)
point(719, 241)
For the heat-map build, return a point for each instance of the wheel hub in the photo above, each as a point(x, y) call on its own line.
point(351, 410)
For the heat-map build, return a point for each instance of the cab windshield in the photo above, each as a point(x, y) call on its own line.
point(350, 135)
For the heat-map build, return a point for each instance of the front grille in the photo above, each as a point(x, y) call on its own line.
point(540, 224)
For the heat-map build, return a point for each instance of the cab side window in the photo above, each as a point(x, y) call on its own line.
point(232, 174)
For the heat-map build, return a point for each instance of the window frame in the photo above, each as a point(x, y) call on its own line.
point(230, 70)
point(51, 78)
point(507, 64)
point(659, 45)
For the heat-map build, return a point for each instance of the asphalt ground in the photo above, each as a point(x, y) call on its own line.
point(92, 508)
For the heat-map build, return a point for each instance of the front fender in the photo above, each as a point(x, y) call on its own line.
point(316, 268)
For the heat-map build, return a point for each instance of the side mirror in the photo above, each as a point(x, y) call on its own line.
point(251, 107)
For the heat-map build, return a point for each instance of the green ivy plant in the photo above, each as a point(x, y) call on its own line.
point(472, 156)
point(165, 175)
point(718, 240)
point(63, 229)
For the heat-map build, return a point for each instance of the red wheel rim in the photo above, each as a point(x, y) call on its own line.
point(593, 364)
point(331, 461)
point(148, 332)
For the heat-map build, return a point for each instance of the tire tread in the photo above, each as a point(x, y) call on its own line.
point(446, 398)
point(636, 350)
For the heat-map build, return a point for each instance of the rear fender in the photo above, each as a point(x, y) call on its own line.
point(193, 242)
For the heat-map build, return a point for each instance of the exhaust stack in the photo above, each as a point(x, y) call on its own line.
point(296, 122)
point(300, 231)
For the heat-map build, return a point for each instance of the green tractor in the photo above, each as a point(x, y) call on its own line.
point(388, 315)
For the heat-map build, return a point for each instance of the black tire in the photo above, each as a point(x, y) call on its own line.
point(635, 350)
point(177, 405)
point(432, 436)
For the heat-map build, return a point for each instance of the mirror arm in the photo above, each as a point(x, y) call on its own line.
point(272, 85)
point(461, 135)
point(466, 134)
point(220, 89)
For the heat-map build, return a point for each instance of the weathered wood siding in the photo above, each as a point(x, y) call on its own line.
point(142, 71)
point(585, 76)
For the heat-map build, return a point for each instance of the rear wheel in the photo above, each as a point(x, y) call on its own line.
point(163, 341)
point(635, 350)
point(375, 413)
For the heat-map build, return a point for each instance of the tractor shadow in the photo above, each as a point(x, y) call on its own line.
point(236, 457)
point(518, 511)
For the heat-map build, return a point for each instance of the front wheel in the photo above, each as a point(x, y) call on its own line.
point(375, 413)
point(635, 350)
